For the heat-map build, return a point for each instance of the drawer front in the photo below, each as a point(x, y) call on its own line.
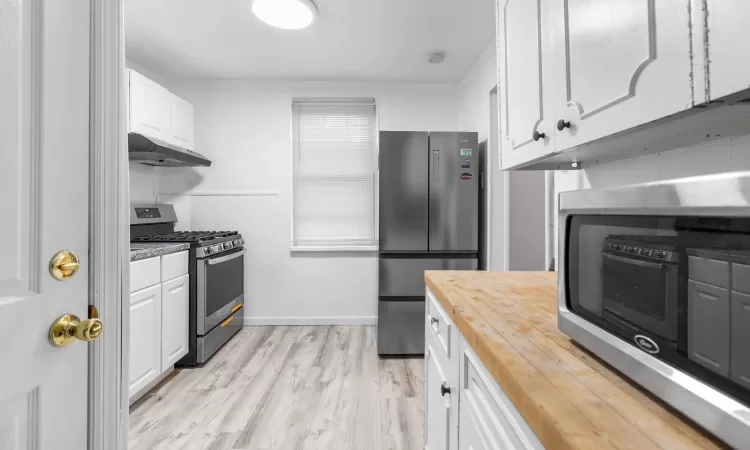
point(483, 401)
point(440, 325)
point(174, 265)
point(709, 271)
point(145, 273)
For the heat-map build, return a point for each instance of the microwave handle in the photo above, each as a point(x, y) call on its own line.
point(637, 262)
point(222, 259)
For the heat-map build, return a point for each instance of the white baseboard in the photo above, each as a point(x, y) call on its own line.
point(334, 320)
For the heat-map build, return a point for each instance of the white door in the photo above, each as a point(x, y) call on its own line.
point(438, 404)
point(618, 63)
point(729, 69)
point(175, 312)
point(526, 120)
point(44, 142)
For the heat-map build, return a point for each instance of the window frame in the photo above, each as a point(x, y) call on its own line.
point(376, 175)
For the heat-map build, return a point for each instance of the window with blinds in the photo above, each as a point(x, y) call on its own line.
point(334, 174)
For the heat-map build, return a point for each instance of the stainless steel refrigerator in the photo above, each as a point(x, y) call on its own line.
point(428, 221)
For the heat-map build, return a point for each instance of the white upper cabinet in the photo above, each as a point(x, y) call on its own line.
point(183, 119)
point(615, 70)
point(150, 110)
point(158, 113)
point(583, 81)
point(726, 49)
point(527, 119)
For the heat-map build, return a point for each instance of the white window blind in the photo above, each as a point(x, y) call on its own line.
point(334, 174)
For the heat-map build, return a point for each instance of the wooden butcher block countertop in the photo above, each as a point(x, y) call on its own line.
point(568, 397)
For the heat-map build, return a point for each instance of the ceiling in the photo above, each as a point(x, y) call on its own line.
point(379, 40)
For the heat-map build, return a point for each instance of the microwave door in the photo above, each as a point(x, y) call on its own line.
point(641, 293)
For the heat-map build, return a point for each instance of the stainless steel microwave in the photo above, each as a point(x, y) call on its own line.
point(655, 280)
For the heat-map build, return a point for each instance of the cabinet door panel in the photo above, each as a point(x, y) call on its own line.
point(437, 419)
point(175, 300)
point(183, 123)
point(524, 103)
point(145, 338)
point(729, 69)
point(471, 436)
point(150, 108)
point(615, 70)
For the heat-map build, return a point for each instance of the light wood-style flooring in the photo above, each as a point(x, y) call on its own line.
point(306, 387)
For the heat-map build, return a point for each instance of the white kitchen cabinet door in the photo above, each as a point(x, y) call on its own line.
point(175, 304)
point(145, 338)
point(729, 67)
point(487, 417)
point(439, 426)
point(472, 436)
point(618, 63)
point(526, 103)
point(150, 108)
point(183, 123)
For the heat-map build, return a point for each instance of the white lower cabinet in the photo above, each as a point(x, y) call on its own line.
point(159, 319)
point(487, 418)
point(465, 408)
point(145, 336)
point(175, 307)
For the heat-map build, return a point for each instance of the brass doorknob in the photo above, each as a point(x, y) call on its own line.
point(68, 328)
point(64, 265)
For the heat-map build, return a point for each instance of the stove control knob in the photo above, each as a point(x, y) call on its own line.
point(207, 250)
point(237, 242)
point(227, 245)
point(215, 248)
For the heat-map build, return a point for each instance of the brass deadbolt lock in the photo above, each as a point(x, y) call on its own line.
point(64, 265)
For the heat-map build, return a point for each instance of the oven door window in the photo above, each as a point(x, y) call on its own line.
point(224, 282)
point(635, 289)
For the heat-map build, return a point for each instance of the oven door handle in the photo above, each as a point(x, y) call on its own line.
point(638, 262)
point(222, 259)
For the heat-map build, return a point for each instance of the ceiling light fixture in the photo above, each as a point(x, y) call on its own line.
point(286, 14)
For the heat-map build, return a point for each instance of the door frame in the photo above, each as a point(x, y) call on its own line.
point(109, 233)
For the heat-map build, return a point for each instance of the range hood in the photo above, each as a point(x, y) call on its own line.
point(155, 152)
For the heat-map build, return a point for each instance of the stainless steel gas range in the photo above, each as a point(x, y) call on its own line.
point(216, 267)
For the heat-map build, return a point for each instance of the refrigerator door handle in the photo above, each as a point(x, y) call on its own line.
point(436, 164)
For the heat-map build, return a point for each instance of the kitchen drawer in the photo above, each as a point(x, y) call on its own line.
point(741, 278)
point(174, 265)
point(441, 325)
point(709, 271)
point(484, 404)
point(145, 273)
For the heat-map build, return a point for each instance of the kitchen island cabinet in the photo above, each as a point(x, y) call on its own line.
point(523, 384)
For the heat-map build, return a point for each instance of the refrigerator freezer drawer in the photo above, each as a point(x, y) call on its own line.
point(401, 327)
point(404, 277)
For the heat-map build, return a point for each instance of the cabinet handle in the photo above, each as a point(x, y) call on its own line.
point(433, 320)
point(561, 125)
point(444, 389)
point(537, 135)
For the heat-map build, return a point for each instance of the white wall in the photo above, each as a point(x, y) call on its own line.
point(726, 155)
point(244, 128)
point(474, 115)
